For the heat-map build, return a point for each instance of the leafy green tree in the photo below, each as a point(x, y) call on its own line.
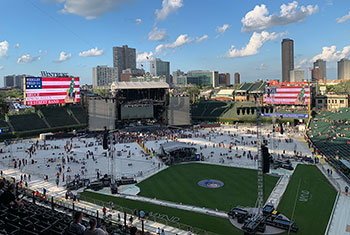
point(342, 88)
point(14, 93)
point(101, 92)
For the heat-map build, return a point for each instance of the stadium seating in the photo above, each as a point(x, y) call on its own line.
point(4, 126)
point(27, 122)
point(58, 116)
point(80, 113)
point(221, 110)
point(39, 218)
point(329, 132)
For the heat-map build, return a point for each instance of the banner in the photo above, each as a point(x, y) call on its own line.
point(286, 115)
point(283, 94)
point(50, 90)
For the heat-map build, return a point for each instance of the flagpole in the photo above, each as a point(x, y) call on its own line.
point(309, 83)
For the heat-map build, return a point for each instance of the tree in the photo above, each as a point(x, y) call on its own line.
point(101, 92)
point(14, 93)
point(342, 88)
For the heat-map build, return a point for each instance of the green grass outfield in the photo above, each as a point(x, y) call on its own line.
point(179, 183)
point(313, 196)
point(311, 213)
point(205, 222)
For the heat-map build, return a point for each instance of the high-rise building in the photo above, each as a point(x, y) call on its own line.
point(287, 58)
point(344, 69)
point(323, 66)
point(176, 75)
point(159, 68)
point(14, 81)
point(103, 76)
point(297, 75)
point(224, 79)
point(316, 74)
point(237, 78)
point(123, 58)
point(203, 78)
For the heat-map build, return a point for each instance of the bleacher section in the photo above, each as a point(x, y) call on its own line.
point(80, 113)
point(45, 119)
point(221, 111)
point(58, 117)
point(214, 109)
point(4, 126)
point(27, 122)
point(40, 218)
point(329, 132)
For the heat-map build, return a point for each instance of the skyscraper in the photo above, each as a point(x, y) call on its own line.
point(297, 75)
point(287, 58)
point(237, 78)
point(159, 68)
point(344, 69)
point(323, 66)
point(123, 58)
point(103, 76)
point(14, 81)
point(316, 74)
point(224, 79)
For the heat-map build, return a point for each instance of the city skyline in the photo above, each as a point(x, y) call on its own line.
point(74, 36)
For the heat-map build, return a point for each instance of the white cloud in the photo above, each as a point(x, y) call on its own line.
point(183, 39)
point(331, 54)
point(256, 41)
point(222, 29)
point(343, 18)
point(4, 47)
point(144, 57)
point(27, 58)
point(204, 37)
point(63, 57)
point(303, 63)
point(1, 67)
point(91, 9)
point(259, 19)
point(330, 3)
point(138, 21)
point(168, 7)
point(16, 46)
point(92, 52)
point(157, 34)
point(262, 66)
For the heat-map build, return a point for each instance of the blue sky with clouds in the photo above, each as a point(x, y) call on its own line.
point(225, 35)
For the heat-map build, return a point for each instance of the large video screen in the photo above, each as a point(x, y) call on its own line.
point(51, 90)
point(288, 94)
point(137, 112)
point(179, 111)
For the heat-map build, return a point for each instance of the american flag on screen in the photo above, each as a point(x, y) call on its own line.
point(298, 95)
point(49, 90)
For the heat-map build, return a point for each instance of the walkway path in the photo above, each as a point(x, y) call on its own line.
point(196, 209)
point(339, 222)
point(277, 193)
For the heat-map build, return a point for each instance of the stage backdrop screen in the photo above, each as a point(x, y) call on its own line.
point(137, 112)
point(292, 95)
point(50, 90)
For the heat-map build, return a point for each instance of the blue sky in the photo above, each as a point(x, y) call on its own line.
point(225, 35)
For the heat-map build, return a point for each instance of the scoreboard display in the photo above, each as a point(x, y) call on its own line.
point(51, 90)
